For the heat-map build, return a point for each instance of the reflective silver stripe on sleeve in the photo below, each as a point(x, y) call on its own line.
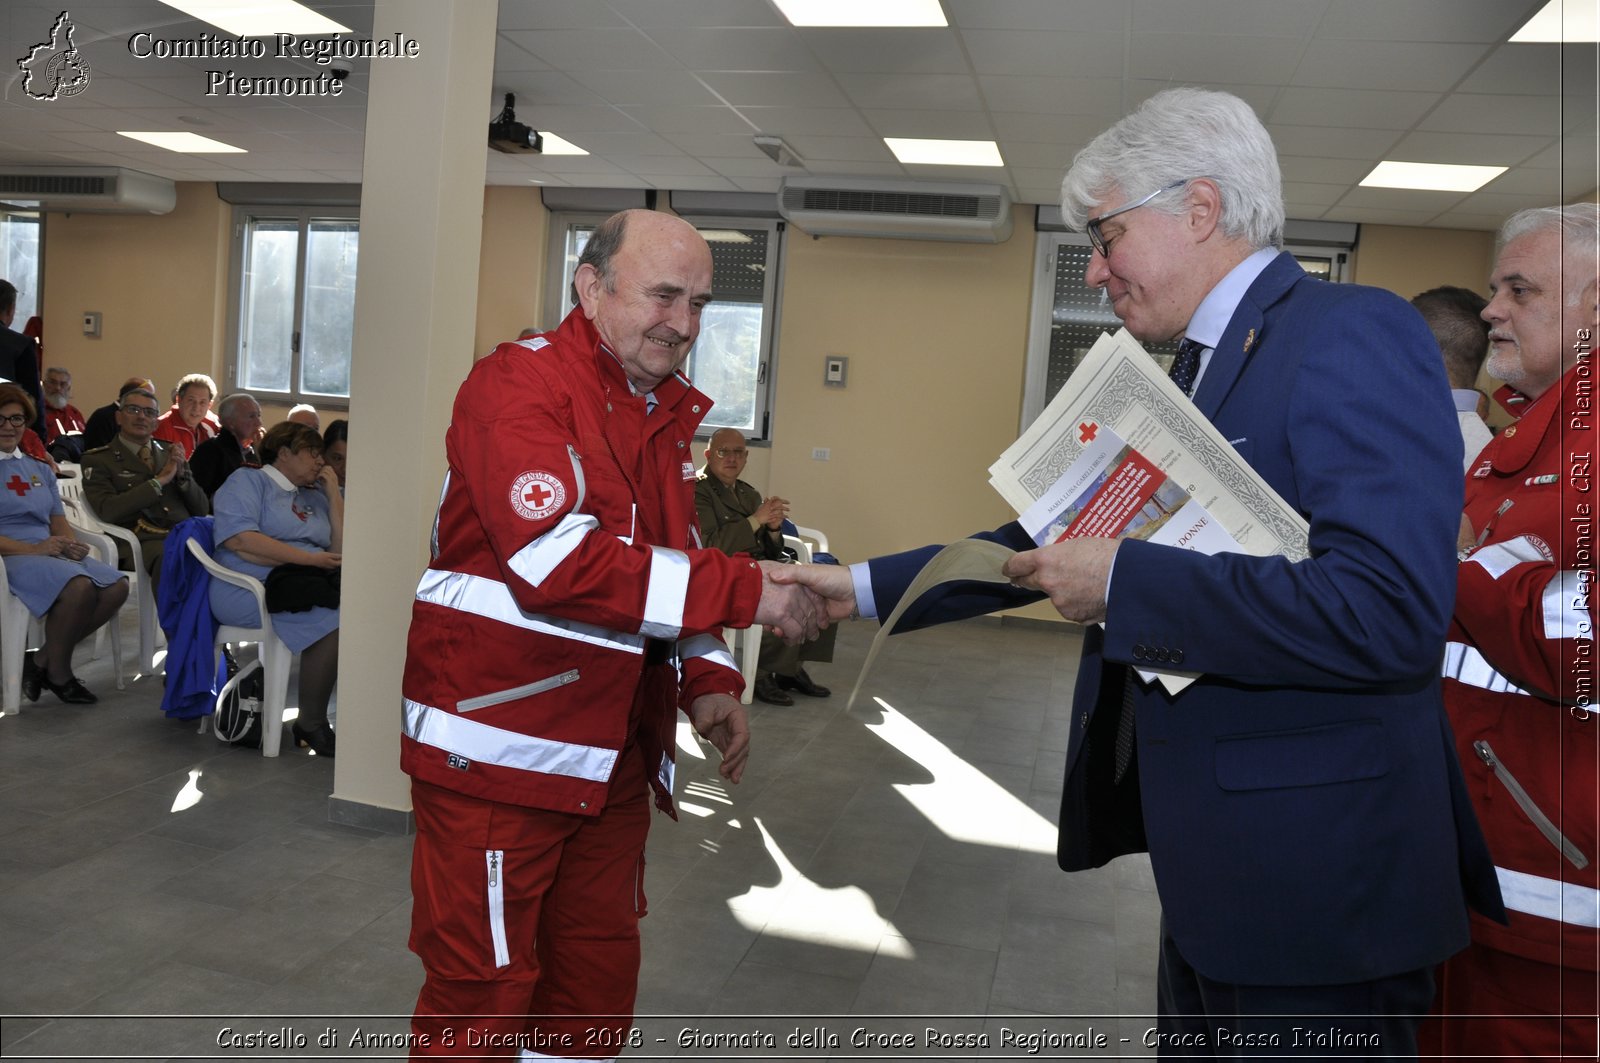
point(1500, 558)
point(539, 558)
point(533, 343)
point(664, 598)
point(694, 533)
point(1465, 664)
point(433, 536)
point(708, 647)
point(577, 476)
point(667, 772)
point(1566, 606)
point(482, 744)
point(493, 600)
point(1548, 898)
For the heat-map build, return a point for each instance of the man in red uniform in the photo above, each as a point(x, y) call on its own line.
point(1520, 664)
point(567, 614)
point(190, 422)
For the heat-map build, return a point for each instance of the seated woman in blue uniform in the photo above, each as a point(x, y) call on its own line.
point(48, 569)
point(284, 524)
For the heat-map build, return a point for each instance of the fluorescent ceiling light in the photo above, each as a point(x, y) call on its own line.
point(1562, 22)
point(258, 18)
point(946, 152)
point(862, 12)
point(554, 145)
point(189, 142)
point(1431, 175)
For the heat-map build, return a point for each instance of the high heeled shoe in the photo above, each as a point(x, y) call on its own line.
point(317, 738)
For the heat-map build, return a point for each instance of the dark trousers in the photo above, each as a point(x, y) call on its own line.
point(1197, 1016)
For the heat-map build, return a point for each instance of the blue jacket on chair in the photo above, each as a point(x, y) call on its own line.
point(194, 668)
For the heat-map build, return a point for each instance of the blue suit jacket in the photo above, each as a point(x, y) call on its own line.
point(1302, 805)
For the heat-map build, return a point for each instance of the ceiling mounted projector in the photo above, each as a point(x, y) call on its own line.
point(511, 136)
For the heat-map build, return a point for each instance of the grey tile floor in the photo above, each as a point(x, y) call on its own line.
point(884, 871)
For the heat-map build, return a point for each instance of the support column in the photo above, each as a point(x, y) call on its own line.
point(416, 307)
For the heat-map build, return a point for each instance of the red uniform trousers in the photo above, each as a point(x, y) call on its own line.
point(527, 922)
point(1499, 1006)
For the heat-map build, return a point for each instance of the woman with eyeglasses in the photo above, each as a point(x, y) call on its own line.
point(48, 569)
point(284, 524)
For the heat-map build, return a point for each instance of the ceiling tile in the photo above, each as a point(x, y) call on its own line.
point(617, 144)
point(1101, 97)
point(842, 149)
point(1376, 216)
point(1401, 199)
point(776, 88)
point(1493, 115)
point(950, 92)
point(1190, 58)
point(1318, 169)
point(594, 49)
point(719, 48)
point(799, 121)
point(757, 184)
point(1471, 149)
point(1074, 16)
point(554, 15)
point(1308, 192)
point(511, 57)
point(675, 88)
point(1355, 108)
point(1044, 157)
point(1044, 52)
point(584, 120)
point(931, 125)
point(1334, 143)
point(1240, 18)
point(1473, 21)
point(887, 51)
point(708, 121)
point(706, 146)
point(653, 13)
point(1070, 130)
point(544, 88)
point(1397, 65)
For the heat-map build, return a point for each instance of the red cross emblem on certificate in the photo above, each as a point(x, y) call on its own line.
point(1087, 431)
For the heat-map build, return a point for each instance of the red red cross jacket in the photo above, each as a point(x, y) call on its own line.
point(566, 602)
point(1520, 675)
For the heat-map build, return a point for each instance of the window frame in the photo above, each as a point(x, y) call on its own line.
point(31, 287)
point(233, 372)
point(1047, 244)
point(560, 265)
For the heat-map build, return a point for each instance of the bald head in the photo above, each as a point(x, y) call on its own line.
point(726, 455)
point(643, 280)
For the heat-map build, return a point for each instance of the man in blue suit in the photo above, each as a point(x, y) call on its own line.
point(1312, 843)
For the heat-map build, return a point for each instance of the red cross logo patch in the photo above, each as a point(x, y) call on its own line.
point(536, 495)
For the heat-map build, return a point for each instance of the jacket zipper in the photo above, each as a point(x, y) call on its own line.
point(497, 908)
point(526, 690)
point(1530, 809)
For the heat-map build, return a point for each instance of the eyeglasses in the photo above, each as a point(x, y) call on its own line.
point(730, 452)
point(15, 420)
point(141, 411)
point(1092, 226)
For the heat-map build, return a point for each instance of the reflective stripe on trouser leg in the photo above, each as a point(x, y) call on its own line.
point(589, 929)
point(474, 970)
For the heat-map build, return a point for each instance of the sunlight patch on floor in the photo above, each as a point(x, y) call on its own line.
point(961, 801)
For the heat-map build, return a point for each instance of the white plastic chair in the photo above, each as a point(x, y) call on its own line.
point(140, 592)
point(275, 656)
point(802, 548)
point(20, 629)
point(745, 645)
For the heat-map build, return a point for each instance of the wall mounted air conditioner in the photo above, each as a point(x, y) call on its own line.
point(904, 210)
point(86, 190)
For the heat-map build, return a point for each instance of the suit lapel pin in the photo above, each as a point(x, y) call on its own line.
point(1249, 340)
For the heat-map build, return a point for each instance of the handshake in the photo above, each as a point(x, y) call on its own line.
point(798, 602)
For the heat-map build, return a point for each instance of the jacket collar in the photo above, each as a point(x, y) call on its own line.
point(1517, 442)
point(1242, 337)
point(675, 393)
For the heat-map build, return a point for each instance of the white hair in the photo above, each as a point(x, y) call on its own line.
point(1578, 225)
point(1176, 136)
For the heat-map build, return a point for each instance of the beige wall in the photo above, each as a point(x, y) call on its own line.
point(159, 283)
point(936, 334)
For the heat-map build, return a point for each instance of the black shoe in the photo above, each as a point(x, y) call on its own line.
point(31, 677)
point(768, 691)
point(318, 739)
point(73, 692)
point(804, 684)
